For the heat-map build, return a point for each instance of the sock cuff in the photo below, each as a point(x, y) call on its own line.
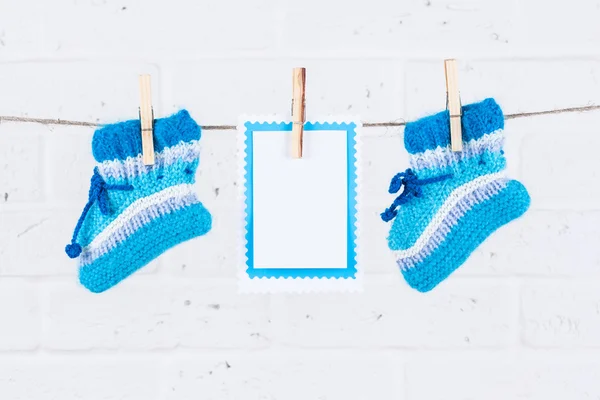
point(123, 140)
point(431, 132)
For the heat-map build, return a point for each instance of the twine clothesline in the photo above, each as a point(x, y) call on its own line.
point(52, 121)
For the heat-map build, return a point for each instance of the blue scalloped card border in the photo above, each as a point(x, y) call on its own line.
point(342, 273)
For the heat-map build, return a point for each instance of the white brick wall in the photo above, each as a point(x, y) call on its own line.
point(520, 320)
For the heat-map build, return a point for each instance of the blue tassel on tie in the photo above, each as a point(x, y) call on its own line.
point(98, 193)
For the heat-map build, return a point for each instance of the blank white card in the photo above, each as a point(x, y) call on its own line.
point(300, 206)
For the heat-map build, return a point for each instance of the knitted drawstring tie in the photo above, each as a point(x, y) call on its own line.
point(98, 192)
point(412, 188)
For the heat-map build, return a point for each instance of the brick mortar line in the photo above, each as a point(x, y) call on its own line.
point(51, 121)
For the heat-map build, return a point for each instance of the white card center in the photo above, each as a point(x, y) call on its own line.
point(300, 206)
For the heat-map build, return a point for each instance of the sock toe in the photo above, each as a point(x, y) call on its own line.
point(145, 245)
point(468, 233)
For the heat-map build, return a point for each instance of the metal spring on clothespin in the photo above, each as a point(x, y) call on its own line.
point(146, 113)
point(453, 104)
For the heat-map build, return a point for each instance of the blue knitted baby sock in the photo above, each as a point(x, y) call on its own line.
point(450, 202)
point(136, 212)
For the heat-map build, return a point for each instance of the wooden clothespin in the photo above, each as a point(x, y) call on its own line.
point(298, 110)
point(147, 120)
point(453, 104)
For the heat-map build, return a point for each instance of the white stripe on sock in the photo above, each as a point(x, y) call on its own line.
point(444, 210)
point(138, 206)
